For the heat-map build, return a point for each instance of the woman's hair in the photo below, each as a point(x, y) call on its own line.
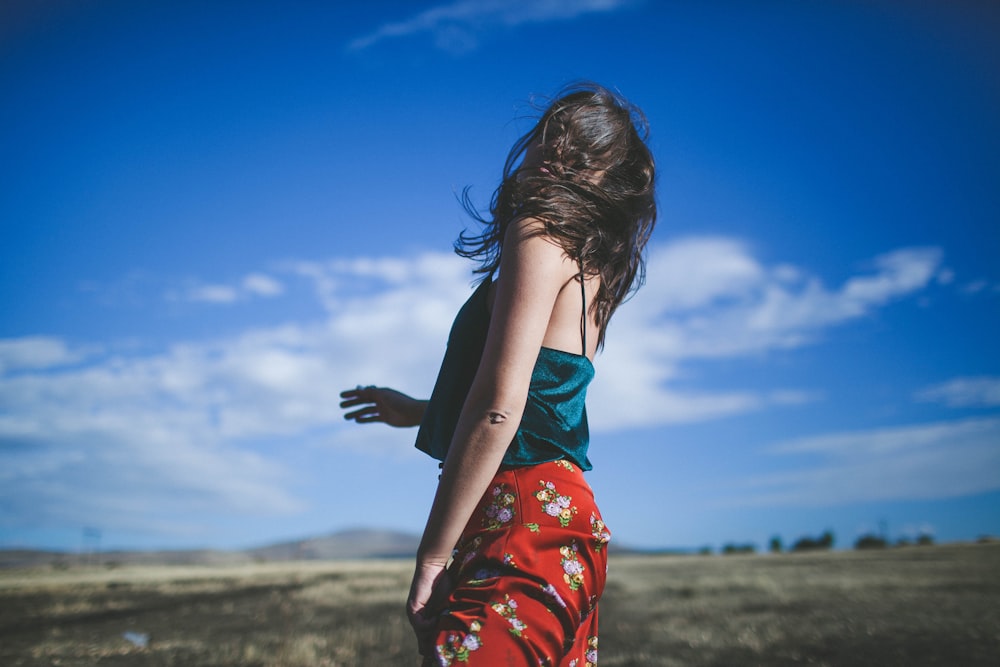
point(593, 193)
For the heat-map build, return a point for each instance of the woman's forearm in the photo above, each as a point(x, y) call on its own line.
point(398, 409)
point(477, 450)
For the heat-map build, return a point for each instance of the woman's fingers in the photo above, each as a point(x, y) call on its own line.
point(381, 404)
point(364, 414)
point(423, 628)
point(359, 392)
point(423, 622)
point(359, 396)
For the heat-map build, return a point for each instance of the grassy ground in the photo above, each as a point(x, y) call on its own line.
point(914, 606)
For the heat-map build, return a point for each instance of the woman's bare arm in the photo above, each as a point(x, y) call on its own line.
point(533, 270)
point(381, 404)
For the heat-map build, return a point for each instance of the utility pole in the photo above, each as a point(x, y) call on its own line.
point(91, 546)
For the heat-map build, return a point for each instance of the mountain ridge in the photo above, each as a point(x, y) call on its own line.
point(351, 544)
point(348, 544)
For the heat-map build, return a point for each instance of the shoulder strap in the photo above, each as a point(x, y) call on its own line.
point(583, 307)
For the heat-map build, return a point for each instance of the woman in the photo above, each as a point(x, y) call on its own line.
point(513, 558)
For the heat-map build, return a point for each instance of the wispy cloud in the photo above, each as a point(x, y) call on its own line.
point(456, 27)
point(188, 421)
point(213, 294)
point(711, 299)
point(36, 352)
point(177, 432)
point(252, 285)
point(262, 284)
point(963, 392)
point(981, 286)
point(911, 462)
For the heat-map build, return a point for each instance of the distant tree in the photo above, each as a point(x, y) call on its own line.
point(925, 540)
point(870, 541)
point(731, 548)
point(805, 544)
point(775, 546)
point(705, 551)
point(824, 541)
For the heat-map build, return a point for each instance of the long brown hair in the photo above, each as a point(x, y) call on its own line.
point(594, 193)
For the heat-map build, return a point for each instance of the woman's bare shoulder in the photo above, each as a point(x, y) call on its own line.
point(527, 239)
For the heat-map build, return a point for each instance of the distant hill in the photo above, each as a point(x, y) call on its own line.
point(359, 544)
point(347, 544)
point(344, 545)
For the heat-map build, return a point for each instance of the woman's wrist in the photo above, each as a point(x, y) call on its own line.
point(417, 409)
point(431, 559)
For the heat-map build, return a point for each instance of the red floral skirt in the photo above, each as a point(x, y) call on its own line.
point(528, 572)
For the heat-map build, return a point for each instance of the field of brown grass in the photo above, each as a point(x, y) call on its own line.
point(909, 606)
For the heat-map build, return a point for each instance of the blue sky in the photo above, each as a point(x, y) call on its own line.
point(218, 215)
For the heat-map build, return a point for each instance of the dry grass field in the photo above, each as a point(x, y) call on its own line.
point(911, 606)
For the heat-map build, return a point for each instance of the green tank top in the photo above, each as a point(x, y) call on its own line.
point(554, 424)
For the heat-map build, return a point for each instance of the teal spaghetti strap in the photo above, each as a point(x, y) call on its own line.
point(583, 314)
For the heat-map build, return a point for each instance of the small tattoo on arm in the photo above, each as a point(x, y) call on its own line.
point(497, 418)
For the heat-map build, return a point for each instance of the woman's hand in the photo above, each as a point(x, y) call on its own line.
point(381, 404)
point(429, 589)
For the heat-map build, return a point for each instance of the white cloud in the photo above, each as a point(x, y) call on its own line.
point(455, 26)
point(261, 284)
point(697, 272)
point(214, 294)
point(172, 430)
point(964, 392)
point(709, 298)
point(252, 285)
point(35, 352)
point(913, 462)
point(77, 434)
point(898, 272)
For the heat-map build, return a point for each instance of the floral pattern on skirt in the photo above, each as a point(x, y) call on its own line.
point(528, 572)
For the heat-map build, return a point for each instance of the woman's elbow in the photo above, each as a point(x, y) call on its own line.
point(499, 410)
point(502, 413)
point(496, 417)
point(497, 403)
